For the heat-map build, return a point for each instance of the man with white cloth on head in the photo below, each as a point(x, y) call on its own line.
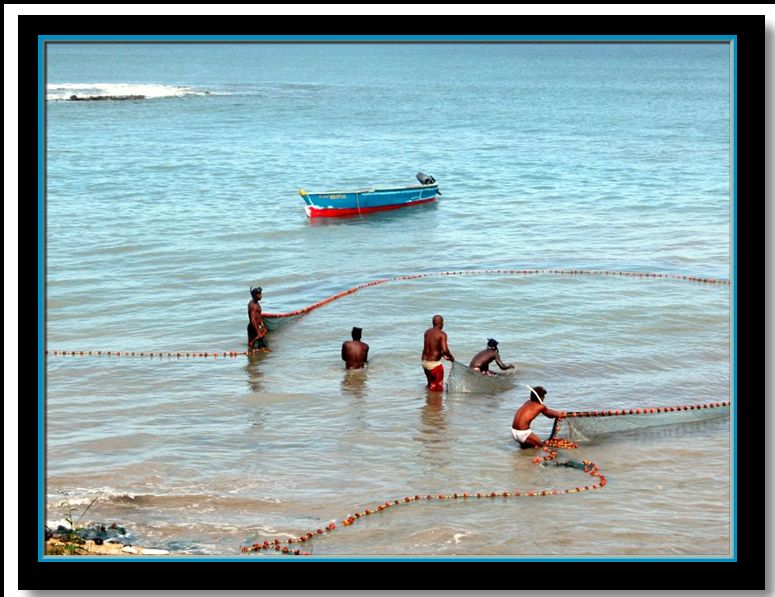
point(534, 406)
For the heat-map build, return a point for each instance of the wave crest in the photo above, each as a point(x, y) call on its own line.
point(114, 91)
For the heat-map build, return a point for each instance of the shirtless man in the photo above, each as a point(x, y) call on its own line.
point(481, 361)
point(256, 326)
point(354, 352)
point(434, 349)
point(520, 427)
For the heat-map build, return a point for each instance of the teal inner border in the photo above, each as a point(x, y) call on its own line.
point(43, 39)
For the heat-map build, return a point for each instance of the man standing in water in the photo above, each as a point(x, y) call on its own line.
point(534, 406)
point(256, 326)
point(481, 361)
point(434, 349)
point(354, 352)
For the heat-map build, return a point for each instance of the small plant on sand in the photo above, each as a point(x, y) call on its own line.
point(69, 518)
point(71, 541)
point(63, 549)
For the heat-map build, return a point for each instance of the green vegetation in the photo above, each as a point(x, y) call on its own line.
point(73, 539)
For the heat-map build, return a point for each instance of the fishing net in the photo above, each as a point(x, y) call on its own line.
point(274, 321)
point(466, 380)
point(585, 425)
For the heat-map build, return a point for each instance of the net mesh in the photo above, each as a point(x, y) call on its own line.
point(465, 380)
point(585, 425)
point(274, 321)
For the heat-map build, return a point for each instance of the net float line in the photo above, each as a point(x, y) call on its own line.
point(509, 272)
point(570, 416)
point(277, 317)
point(646, 411)
point(550, 447)
point(128, 353)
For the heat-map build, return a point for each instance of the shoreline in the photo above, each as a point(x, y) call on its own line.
point(58, 547)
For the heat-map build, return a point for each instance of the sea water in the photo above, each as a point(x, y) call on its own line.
point(161, 212)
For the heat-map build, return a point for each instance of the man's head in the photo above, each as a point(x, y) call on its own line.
point(356, 333)
point(438, 321)
point(492, 344)
point(537, 394)
point(256, 292)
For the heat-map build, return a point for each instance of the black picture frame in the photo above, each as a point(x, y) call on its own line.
point(748, 572)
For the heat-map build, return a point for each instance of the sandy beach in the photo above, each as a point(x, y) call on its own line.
point(56, 546)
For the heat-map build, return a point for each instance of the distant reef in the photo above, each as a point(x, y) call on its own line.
point(97, 98)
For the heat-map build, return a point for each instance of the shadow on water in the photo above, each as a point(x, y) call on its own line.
point(259, 418)
point(355, 385)
point(354, 382)
point(253, 370)
point(432, 434)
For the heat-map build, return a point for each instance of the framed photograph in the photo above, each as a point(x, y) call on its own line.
point(476, 302)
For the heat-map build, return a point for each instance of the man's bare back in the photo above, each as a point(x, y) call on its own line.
point(435, 345)
point(533, 407)
point(526, 413)
point(482, 360)
point(434, 348)
point(355, 354)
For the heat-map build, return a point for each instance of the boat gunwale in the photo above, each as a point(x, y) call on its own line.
point(373, 190)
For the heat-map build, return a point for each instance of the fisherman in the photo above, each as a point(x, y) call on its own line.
point(434, 348)
point(355, 353)
point(534, 406)
point(256, 327)
point(481, 361)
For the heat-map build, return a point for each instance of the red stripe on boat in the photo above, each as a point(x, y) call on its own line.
point(316, 212)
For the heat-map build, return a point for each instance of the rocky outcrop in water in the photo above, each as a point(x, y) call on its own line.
point(98, 98)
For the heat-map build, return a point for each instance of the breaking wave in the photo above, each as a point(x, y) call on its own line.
point(117, 91)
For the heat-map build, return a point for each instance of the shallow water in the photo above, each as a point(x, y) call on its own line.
point(160, 214)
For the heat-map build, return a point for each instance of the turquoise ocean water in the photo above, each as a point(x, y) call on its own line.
point(161, 212)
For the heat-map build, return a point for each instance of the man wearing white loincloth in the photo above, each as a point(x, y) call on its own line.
point(534, 406)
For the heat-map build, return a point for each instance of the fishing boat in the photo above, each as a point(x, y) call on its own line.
point(335, 204)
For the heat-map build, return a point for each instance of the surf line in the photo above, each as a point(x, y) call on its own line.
point(291, 315)
point(550, 448)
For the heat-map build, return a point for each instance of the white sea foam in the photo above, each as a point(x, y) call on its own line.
point(64, 91)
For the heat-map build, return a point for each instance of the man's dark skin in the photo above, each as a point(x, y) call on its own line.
point(354, 352)
point(436, 342)
point(482, 360)
point(435, 345)
point(529, 411)
point(256, 327)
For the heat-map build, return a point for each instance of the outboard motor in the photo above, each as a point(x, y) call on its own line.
point(425, 179)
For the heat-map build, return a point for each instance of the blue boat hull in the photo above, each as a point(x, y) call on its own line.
point(353, 203)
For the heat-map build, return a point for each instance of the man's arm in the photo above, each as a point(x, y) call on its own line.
point(344, 352)
point(501, 364)
point(366, 354)
point(255, 315)
point(445, 348)
point(257, 320)
point(553, 414)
